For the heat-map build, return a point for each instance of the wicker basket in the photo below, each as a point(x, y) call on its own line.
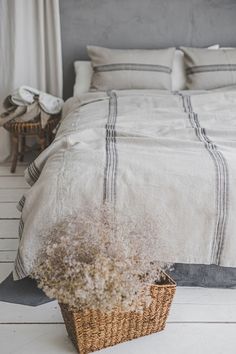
point(91, 330)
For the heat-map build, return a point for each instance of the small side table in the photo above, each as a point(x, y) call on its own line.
point(20, 130)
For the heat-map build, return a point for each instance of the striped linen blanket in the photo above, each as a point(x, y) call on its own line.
point(171, 154)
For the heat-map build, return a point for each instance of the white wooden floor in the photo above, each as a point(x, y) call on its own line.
point(202, 321)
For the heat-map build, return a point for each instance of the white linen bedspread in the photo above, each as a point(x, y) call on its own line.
point(171, 154)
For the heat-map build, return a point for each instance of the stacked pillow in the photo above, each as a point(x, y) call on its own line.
point(178, 74)
point(206, 69)
point(131, 69)
point(169, 69)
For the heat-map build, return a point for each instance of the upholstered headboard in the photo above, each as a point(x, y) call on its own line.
point(142, 24)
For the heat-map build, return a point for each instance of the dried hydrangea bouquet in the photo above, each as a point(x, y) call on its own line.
point(102, 269)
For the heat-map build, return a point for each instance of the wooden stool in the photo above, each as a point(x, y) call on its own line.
point(20, 130)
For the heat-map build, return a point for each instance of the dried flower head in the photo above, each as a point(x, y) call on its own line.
point(99, 259)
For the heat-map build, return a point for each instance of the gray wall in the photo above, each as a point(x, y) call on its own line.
point(142, 24)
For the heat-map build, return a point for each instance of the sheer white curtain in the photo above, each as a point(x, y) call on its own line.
point(30, 50)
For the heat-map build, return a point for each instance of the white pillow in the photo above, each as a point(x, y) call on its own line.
point(178, 71)
point(84, 72)
point(83, 76)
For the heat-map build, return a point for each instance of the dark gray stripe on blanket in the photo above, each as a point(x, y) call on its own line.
point(132, 66)
point(110, 171)
point(222, 180)
point(21, 204)
point(19, 267)
point(21, 228)
point(210, 68)
point(34, 173)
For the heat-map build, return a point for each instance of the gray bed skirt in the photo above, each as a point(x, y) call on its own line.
point(210, 276)
point(25, 291)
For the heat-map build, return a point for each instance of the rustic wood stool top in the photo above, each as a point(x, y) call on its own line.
point(20, 130)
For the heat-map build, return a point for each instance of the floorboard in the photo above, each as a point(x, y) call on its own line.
point(11, 195)
point(175, 339)
point(5, 170)
point(9, 228)
point(195, 295)
point(203, 313)
point(5, 270)
point(35, 339)
point(8, 244)
point(9, 211)
point(182, 339)
point(47, 313)
point(7, 256)
point(13, 182)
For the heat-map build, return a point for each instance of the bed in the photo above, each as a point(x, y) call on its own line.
point(169, 152)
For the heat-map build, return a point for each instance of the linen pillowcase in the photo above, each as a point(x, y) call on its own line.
point(178, 72)
point(84, 73)
point(131, 69)
point(209, 69)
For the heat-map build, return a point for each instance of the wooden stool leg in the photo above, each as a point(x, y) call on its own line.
point(22, 151)
point(15, 143)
